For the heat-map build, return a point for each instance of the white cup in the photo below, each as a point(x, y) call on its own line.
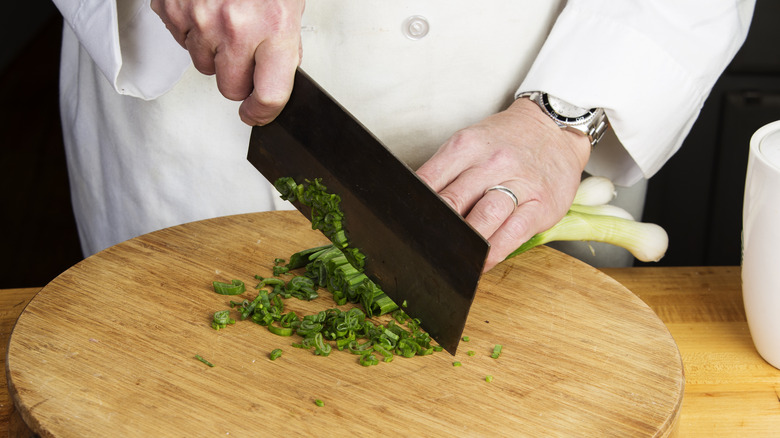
point(761, 242)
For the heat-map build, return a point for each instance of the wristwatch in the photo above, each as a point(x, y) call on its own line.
point(591, 122)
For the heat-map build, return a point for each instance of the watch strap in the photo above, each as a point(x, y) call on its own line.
point(594, 125)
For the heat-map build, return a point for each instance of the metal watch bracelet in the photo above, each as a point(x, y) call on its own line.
point(596, 126)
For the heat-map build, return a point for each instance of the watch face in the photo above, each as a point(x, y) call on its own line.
point(565, 111)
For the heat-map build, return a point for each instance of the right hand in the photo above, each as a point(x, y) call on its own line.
point(253, 47)
point(520, 148)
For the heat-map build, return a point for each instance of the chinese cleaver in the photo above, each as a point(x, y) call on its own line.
point(417, 248)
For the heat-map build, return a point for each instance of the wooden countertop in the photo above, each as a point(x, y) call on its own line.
point(729, 391)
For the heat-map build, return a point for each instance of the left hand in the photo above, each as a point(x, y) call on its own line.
point(252, 46)
point(522, 149)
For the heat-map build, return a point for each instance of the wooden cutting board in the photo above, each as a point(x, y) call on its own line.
point(107, 349)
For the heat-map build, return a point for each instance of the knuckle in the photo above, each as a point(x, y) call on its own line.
point(518, 228)
point(464, 139)
point(491, 212)
point(457, 202)
point(270, 99)
point(203, 65)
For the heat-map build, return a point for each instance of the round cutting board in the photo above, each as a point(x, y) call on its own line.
point(108, 349)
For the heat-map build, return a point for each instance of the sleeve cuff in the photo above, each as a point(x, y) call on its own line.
point(130, 46)
point(641, 70)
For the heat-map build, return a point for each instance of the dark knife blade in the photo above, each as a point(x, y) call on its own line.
point(417, 248)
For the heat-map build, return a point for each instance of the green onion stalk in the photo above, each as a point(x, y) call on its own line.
point(590, 218)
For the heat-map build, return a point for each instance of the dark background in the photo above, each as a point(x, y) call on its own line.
point(696, 197)
point(38, 234)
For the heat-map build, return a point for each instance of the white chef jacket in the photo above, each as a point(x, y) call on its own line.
point(151, 143)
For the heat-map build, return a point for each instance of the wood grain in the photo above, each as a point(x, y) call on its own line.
point(12, 302)
point(730, 390)
point(107, 349)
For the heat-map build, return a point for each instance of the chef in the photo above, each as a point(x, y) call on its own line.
point(157, 99)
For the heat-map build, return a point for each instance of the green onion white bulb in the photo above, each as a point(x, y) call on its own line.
point(591, 218)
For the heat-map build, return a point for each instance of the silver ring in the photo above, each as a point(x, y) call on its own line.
point(506, 191)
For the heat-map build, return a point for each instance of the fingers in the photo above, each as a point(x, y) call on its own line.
point(460, 172)
point(253, 47)
point(516, 229)
point(521, 149)
point(502, 221)
point(492, 210)
point(273, 77)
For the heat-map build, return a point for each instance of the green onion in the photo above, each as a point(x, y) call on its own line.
point(301, 258)
point(488, 378)
point(269, 281)
point(338, 268)
point(222, 319)
point(591, 219)
point(197, 356)
point(368, 360)
point(321, 348)
point(280, 331)
point(456, 364)
point(496, 351)
point(289, 190)
point(275, 354)
point(471, 352)
point(319, 403)
point(465, 339)
point(646, 241)
point(603, 210)
point(279, 270)
point(595, 190)
point(235, 287)
point(385, 353)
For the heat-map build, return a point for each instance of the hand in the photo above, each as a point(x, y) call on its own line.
point(253, 46)
point(520, 148)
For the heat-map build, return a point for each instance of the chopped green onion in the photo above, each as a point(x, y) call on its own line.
point(319, 403)
point(471, 352)
point(301, 258)
point(400, 316)
point(275, 354)
point(488, 378)
point(385, 353)
point(456, 364)
point(496, 351)
point(270, 281)
point(368, 360)
point(279, 270)
point(321, 348)
point(338, 268)
point(465, 339)
point(197, 356)
point(289, 190)
point(280, 331)
point(222, 319)
point(235, 287)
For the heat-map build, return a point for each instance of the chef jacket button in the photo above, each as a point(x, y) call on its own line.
point(415, 27)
